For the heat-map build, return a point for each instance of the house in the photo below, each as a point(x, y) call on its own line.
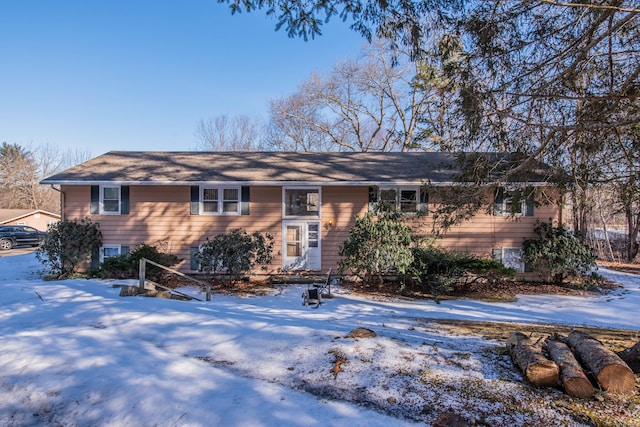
point(307, 201)
point(37, 218)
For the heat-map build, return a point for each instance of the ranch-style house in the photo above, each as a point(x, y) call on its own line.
point(307, 201)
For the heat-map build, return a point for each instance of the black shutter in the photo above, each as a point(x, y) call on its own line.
point(95, 257)
point(193, 252)
point(530, 204)
point(195, 200)
point(497, 205)
point(124, 250)
point(244, 198)
point(497, 254)
point(124, 203)
point(95, 199)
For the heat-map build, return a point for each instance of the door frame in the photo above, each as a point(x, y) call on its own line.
point(311, 256)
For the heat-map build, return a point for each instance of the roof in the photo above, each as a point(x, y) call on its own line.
point(8, 215)
point(261, 168)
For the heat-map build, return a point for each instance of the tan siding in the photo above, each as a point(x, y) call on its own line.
point(39, 221)
point(160, 215)
point(485, 231)
point(341, 205)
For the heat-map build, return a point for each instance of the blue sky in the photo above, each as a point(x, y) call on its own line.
point(106, 75)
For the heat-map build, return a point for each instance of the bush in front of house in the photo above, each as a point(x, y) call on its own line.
point(127, 265)
point(376, 247)
point(558, 251)
point(235, 254)
point(382, 249)
point(68, 246)
point(436, 270)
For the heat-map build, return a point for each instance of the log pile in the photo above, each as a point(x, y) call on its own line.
point(573, 362)
point(573, 378)
point(611, 372)
point(631, 356)
point(539, 370)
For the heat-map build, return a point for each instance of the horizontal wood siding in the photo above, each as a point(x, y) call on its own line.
point(341, 206)
point(160, 215)
point(485, 231)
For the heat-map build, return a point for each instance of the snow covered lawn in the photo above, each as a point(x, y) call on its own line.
point(74, 353)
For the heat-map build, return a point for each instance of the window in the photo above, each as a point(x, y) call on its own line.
point(510, 257)
point(409, 200)
point(109, 199)
point(514, 202)
point(109, 251)
point(220, 200)
point(302, 202)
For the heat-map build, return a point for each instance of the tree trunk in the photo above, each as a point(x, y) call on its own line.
point(574, 380)
point(612, 373)
point(537, 369)
point(631, 357)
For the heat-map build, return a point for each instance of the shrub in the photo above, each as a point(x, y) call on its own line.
point(235, 253)
point(127, 266)
point(437, 270)
point(557, 251)
point(376, 248)
point(69, 245)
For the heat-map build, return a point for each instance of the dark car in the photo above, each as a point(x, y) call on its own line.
point(20, 235)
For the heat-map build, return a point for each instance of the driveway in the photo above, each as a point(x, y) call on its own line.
point(20, 250)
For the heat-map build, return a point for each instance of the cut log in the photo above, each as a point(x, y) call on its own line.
point(537, 369)
point(129, 291)
point(631, 357)
point(611, 372)
point(574, 380)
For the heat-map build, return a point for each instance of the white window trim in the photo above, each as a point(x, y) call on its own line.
point(398, 190)
point(219, 210)
point(521, 267)
point(102, 211)
point(103, 247)
point(309, 217)
point(506, 212)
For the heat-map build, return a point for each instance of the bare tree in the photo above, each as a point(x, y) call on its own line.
point(224, 133)
point(22, 169)
point(369, 104)
point(18, 172)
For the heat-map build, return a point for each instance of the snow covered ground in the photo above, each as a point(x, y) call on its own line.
point(74, 353)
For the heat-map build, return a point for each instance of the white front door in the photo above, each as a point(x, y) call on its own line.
point(301, 245)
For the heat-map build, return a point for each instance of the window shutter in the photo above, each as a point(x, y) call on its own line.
point(244, 199)
point(193, 252)
point(95, 257)
point(124, 202)
point(497, 205)
point(530, 205)
point(497, 254)
point(124, 250)
point(195, 200)
point(424, 202)
point(373, 198)
point(95, 199)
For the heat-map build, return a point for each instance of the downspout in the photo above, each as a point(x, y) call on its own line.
point(59, 190)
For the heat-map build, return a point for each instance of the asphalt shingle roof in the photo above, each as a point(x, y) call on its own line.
point(130, 167)
point(256, 167)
